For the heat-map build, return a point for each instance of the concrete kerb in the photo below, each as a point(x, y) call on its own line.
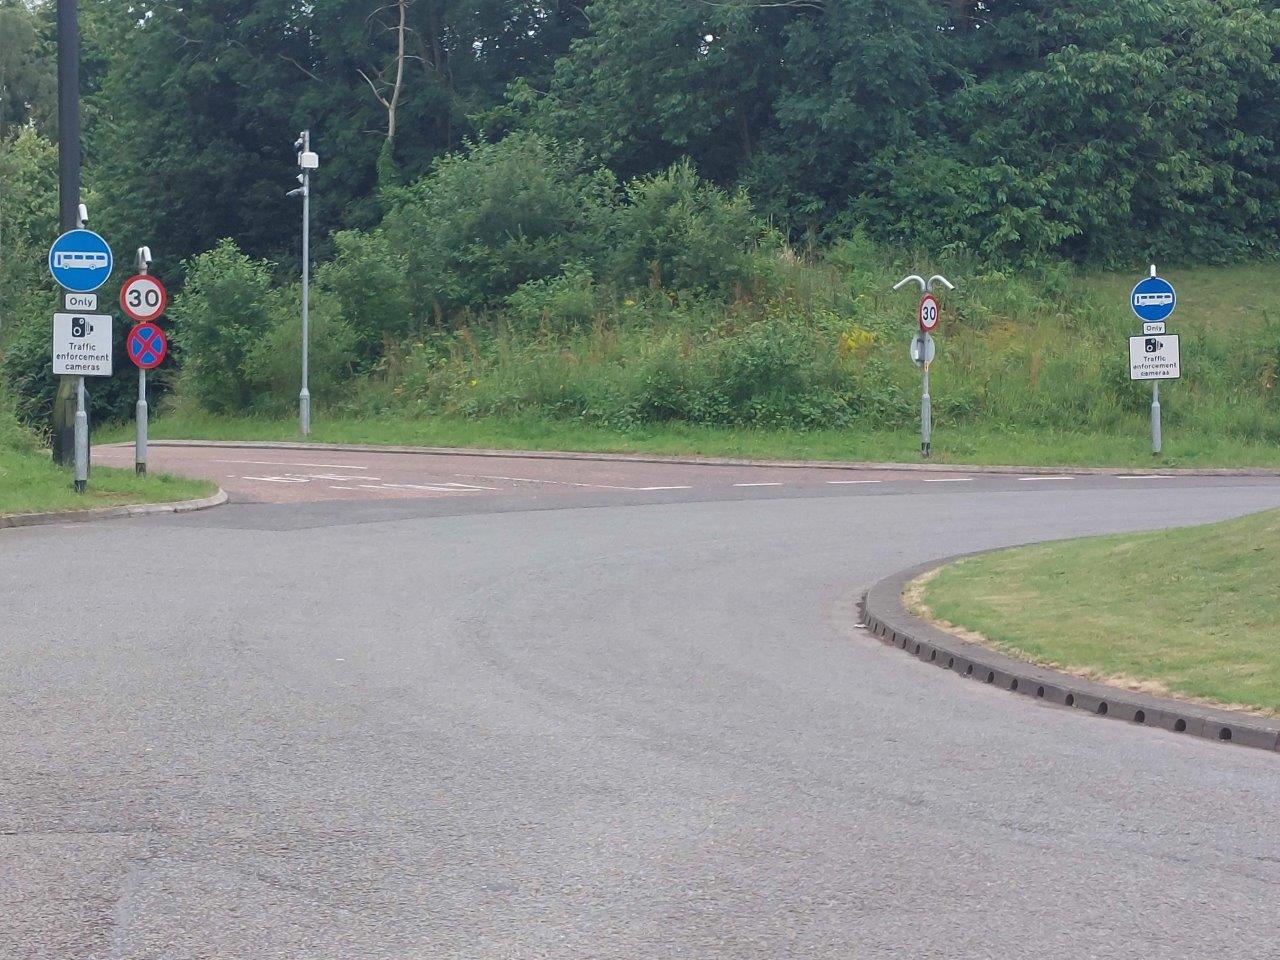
point(887, 618)
point(711, 461)
point(110, 513)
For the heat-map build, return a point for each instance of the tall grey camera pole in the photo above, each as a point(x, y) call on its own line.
point(140, 445)
point(1155, 407)
point(307, 161)
point(926, 402)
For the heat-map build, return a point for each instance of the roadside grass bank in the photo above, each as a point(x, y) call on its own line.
point(31, 483)
point(963, 446)
point(1189, 612)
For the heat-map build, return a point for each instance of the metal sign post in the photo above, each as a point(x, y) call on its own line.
point(922, 350)
point(1153, 300)
point(307, 161)
point(140, 410)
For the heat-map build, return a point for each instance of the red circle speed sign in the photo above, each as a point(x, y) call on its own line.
point(147, 345)
point(143, 297)
point(929, 313)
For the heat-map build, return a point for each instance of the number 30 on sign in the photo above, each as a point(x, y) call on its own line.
point(143, 298)
point(928, 314)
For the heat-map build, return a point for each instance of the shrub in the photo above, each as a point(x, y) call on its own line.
point(567, 300)
point(367, 281)
point(679, 232)
point(273, 364)
point(222, 313)
point(485, 222)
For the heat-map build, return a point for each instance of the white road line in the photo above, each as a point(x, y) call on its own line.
point(1145, 476)
point(846, 482)
point(775, 483)
point(562, 483)
point(338, 476)
point(278, 479)
point(283, 463)
point(949, 480)
point(341, 488)
point(1045, 478)
point(662, 488)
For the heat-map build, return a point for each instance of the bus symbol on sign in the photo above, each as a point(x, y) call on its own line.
point(80, 261)
point(1153, 300)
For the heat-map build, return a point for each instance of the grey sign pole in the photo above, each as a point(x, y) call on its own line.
point(307, 161)
point(926, 402)
point(140, 445)
point(1156, 439)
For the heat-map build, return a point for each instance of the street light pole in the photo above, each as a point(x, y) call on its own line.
point(307, 161)
point(70, 396)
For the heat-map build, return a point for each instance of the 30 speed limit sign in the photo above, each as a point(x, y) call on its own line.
point(143, 298)
point(929, 313)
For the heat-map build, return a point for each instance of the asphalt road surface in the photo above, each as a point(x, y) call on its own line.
point(399, 706)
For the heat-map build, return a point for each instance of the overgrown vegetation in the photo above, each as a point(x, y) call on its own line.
point(654, 212)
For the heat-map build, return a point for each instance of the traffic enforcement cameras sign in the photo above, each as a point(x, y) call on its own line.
point(1154, 358)
point(82, 344)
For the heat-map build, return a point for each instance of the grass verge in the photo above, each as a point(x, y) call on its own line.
point(1189, 612)
point(967, 446)
point(30, 483)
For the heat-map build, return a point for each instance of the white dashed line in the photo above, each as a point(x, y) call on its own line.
point(278, 479)
point(661, 488)
point(283, 463)
point(774, 483)
point(846, 482)
point(1145, 476)
point(949, 480)
point(1045, 478)
point(341, 488)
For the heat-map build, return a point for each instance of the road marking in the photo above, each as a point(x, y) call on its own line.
point(949, 480)
point(341, 488)
point(436, 487)
point(844, 482)
point(563, 483)
point(278, 479)
point(292, 463)
point(337, 476)
point(1045, 478)
point(662, 488)
point(774, 483)
point(1145, 476)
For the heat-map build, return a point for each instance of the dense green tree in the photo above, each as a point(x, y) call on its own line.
point(28, 88)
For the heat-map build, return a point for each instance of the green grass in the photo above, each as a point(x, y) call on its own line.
point(960, 446)
point(30, 483)
point(1190, 611)
point(1227, 300)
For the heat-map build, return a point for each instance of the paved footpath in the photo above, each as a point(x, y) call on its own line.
point(409, 706)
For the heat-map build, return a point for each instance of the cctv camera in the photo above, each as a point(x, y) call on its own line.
point(298, 145)
point(83, 213)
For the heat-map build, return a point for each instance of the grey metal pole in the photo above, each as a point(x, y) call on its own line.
point(140, 445)
point(1156, 439)
point(81, 439)
point(68, 398)
point(304, 397)
point(926, 416)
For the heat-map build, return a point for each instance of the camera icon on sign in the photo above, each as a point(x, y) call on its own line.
point(81, 327)
point(1153, 345)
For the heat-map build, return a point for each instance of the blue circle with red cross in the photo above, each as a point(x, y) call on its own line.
point(147, 346)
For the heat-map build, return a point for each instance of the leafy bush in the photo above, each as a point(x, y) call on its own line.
point(680, 233)
point(368, 282)
point(273, 365)
point(568, 300)
point(221, 315)
point(485, 222)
